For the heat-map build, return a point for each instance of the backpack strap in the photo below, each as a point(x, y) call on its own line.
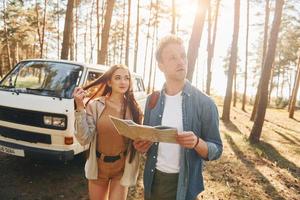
point(153, 99)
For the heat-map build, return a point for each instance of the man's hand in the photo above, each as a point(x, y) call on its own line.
point(187, 139)
point(142, 146)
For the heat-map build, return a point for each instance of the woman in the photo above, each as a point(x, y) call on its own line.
point(112, 163)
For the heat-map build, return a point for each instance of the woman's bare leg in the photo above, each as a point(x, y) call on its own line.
point(117, 191)
point(98, 191)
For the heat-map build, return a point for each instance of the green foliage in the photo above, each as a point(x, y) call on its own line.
point(288, 43)
point(22, 22)
point(281, 102)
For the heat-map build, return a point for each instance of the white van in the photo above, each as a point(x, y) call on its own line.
point(37, 108)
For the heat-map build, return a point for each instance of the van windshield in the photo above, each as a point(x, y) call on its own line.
point(43, 78)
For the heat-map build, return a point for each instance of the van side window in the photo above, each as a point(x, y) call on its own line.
point(92, 76)
point(138, 85)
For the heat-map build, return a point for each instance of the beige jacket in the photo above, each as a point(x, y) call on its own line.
point(85, 132)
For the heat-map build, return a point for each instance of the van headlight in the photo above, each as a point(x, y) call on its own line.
point(48, 120)
point(55, 121)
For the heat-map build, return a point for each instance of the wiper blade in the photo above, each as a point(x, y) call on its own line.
point(40, 90)
point(7, 86)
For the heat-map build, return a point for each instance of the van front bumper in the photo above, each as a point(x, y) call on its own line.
point(33, 152)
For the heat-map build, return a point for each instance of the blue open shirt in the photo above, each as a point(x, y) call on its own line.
point(200, 115)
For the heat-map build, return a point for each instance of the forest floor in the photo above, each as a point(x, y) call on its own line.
point(268, 170)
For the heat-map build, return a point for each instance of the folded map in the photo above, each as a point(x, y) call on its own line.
point(134, 131)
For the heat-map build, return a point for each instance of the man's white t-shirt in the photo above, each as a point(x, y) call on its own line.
point(168, 153)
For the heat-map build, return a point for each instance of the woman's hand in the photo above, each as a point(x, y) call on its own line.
point(79, 95)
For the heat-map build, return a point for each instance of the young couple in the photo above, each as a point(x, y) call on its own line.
point(172, 171)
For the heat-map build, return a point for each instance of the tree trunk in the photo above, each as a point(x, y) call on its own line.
point(265, 77)
point(27, 52)
point(67, 30)
point(91, 33)
point(98, 26)
point(120, 46)
point(33, 50)
point(58, 33)
point(211, 49)
point(277, 85)
point(232, 63)
point(122, 34)
point(17, 53)
point(147, 40)
point(76, 25)
point(85, 37)
point(246, 61)
point(6, 37)
point(38, 28)
point(105, 31)
point(41, 33)
point(271, 85)
point(295, 81)
point(151, 62)
point(46, 50)
point(173, 30)
point(136, 43)
point(234, 92)
point(282, 81)
point(155, 65)
point(13, 55)
point(127, 34)
point(44, 27)
point(208, 80)
point(72, 40)
point(98, 31)
point(295, 92)
point(255, 102)
point(152, 49)
point(114, 38)
point(195, 39)
point(266, 30)
point(2, 66)
point(290, 80)
point(154, 78)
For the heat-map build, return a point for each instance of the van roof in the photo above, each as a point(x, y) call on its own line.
point(88, 65)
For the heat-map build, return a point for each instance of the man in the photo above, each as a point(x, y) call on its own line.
point(174, 171)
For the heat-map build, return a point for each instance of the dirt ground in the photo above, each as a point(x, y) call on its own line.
point(31, 179)
point(269, 170)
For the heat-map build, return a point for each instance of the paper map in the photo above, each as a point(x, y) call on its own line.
point(134, 131)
